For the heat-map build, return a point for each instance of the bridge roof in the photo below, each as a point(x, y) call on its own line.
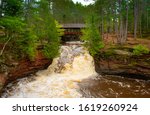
point(73, 25)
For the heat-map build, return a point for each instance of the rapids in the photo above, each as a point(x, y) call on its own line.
point(60, 79)
point(72, 75)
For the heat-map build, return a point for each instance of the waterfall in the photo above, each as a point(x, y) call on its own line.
point(60, 79)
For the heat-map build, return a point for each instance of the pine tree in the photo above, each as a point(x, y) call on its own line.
point(49, 31)
point(91, 36)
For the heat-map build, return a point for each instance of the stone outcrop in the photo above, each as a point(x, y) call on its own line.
point(26, 67)
point(123, 64)
point(23, 68)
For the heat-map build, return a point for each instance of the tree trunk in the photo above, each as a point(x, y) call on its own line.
point(9, 38)
point(120, 36)
point(141, 16)
point(121, 30)
point(140, 27)
point(147, 21)
point(1, 8)
point(116, 29)
point(126, 26)
point(135, 18)
point(102, 30)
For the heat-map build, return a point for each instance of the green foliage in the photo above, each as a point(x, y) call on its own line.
point(49, 31)
point(109, 53)
point(39, 29)
point(12, 24)
point(12, 7)
point(29, 43)
point(91, 36)
point(51, 50)
point(13, 30)
point(60, 30)
point(140, 49)
point(65, 11)
point(22, 40)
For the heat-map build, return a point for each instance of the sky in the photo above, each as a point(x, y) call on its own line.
point(84, 2)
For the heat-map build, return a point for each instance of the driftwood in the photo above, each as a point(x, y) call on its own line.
point(1, 53)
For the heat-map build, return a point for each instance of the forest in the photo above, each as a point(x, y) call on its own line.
point(25, 24)
point(116, 34)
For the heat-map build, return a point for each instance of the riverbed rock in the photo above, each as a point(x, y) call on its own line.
point(122, 52)
point(23, 68)
point(127, 66)
point(26, 67)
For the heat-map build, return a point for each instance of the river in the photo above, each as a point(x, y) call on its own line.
point(72, 75)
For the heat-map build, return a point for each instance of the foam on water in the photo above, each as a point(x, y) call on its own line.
point(60, 79)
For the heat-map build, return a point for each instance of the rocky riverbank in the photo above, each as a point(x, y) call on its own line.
point(122, 62)
point(23, 68)
point(112, 60)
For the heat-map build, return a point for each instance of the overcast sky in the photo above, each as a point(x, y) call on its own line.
point(84, 2)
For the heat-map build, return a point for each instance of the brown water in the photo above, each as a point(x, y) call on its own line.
point(72, 75)
point(115, 87)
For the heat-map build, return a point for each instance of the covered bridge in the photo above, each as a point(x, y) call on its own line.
point(72, 31)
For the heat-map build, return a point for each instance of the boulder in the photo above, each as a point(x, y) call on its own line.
point(122, 52)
